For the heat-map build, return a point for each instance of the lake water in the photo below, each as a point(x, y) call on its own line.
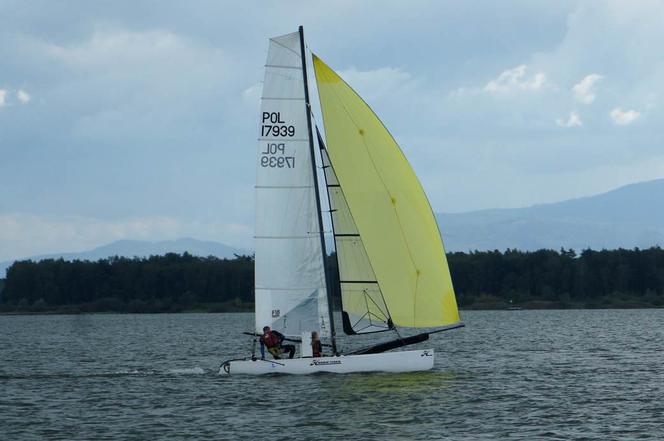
point(508, 375)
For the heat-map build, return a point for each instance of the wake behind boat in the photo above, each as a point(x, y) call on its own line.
point(392, 269)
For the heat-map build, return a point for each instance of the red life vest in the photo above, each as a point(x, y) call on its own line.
point(271, 341)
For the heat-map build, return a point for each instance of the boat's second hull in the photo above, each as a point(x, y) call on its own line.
point(404, 361)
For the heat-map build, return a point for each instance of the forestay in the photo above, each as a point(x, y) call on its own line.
point(389, 208)
point(290, 278)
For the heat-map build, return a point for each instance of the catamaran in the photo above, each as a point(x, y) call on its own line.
point(391, 267)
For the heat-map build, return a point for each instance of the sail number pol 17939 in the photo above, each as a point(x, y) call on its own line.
point(274, 126)
point(274, 155)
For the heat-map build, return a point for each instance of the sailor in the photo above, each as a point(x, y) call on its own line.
point(316, 345)
point(273, 341)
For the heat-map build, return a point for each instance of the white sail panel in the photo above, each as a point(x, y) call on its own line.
point(290, 281)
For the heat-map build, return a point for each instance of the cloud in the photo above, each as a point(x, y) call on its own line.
point(110, 48)
point(574, 120)
point(3, 97)
point(253, 93)
point(516, 79)
point(584, 91)
point(135, 105)
point(23, 96)
point(624, 117)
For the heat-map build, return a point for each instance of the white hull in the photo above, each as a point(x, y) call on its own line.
point(405, 361)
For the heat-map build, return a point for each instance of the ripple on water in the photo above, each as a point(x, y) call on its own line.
point(508, 375)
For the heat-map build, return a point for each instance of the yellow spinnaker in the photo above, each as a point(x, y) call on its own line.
point(390, 209)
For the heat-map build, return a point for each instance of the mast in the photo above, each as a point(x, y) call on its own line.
point(316, 190)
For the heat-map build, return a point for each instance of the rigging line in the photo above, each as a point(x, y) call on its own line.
point(380, 177)
point(396, 330)
point(370, 325)
point(366, 294)
point(314, 117)
point(366, 304)
point(381, 320)
point(359, 331)
point(359, 320)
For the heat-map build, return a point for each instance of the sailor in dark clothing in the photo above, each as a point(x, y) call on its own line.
point(316, 345)
point(273, 341)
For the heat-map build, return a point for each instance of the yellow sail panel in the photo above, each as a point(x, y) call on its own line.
point(363, 306)
point(389, 207)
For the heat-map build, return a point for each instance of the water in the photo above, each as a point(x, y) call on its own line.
point(508, 375)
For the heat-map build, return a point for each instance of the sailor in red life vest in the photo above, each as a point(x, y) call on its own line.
point(273, 341)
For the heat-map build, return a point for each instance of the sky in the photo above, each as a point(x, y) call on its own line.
point(139, 119)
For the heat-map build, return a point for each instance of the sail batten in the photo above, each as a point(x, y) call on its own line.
point(389, 209)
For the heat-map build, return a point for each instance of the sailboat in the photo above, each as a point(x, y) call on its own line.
point(391, 269)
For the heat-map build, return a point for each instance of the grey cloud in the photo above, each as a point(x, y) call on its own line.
point(138, 109)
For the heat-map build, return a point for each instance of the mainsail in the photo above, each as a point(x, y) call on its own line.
point(291, 294)
point(392, 221)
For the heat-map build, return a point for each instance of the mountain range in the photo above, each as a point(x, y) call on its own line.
point(628, 217)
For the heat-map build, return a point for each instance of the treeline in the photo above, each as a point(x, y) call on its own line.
point(559, 279)
point(492, 279)
point(169, 283)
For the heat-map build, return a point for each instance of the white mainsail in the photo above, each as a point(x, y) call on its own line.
point(291, 294)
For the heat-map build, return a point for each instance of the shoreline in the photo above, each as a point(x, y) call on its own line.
point(514, 308)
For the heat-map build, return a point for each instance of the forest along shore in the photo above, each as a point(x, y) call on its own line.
point(544, 279)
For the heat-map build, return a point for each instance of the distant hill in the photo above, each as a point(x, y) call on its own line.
point(137, 248)
point(628, 217)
